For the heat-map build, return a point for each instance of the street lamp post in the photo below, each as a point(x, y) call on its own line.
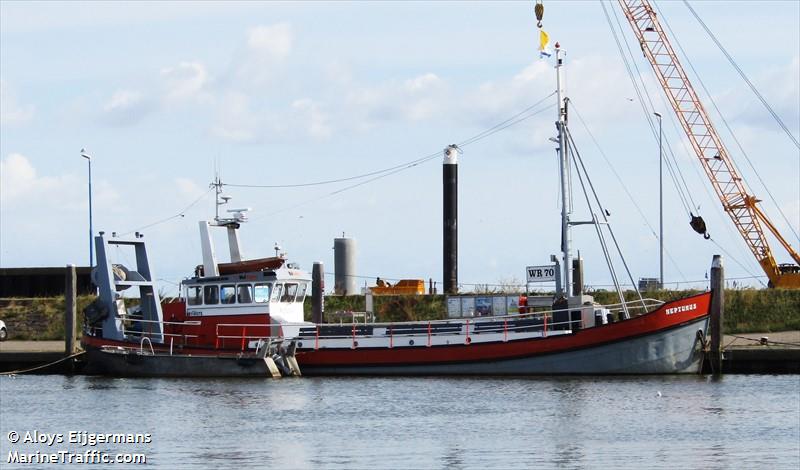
point(91, 231)
point(660, 204)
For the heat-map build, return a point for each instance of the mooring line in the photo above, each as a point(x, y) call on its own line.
point(24, 371)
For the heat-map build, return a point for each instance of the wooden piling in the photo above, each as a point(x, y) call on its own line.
point(317, 293)
point(70, 313)
point(717, 309)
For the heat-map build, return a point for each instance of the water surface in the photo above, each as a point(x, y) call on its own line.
point(739, 421)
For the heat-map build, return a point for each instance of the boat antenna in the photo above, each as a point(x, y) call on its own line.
point(221, 199)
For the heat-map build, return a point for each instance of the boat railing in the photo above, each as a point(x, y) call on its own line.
point(248, 332)
point(467, 328)
point(242, 334)
point(644, 305)
point(126, 331)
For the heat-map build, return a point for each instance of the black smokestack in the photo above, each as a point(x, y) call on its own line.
point(450, 219)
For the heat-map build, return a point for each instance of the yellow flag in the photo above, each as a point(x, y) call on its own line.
point(544, 41)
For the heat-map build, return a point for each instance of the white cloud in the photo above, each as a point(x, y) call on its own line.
point(238, 121)
point(126, 107)
point(418, 98)
point(274, 40)
point(235, 120)
point(601, 97)
point(314, 120)
point(17, 173)
point(338, 72)
point(25, 189)
point(11, 111)
point(188, 188)
point(423, 83)
point(267, 47)
point(186, 80)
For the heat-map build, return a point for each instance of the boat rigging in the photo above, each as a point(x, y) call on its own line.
point(729, 186)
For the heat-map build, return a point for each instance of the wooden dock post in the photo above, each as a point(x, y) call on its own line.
point(317, 293)
point(70, 294)
point(717, 309)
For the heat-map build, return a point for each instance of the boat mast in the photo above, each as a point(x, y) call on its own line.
point(563, 162)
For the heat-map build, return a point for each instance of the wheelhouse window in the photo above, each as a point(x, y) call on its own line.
point(301, 292)
point(262, 292)
point(211, 295)
point(290, 291)
point(244, 294)
point(276, 292)
point(194, 295)
point(227, 294)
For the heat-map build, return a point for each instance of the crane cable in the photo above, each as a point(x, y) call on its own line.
point(744, 77)
point(741, 265)
point(683, 191)
point(580, 170)
point(725, 121)
point(624, 187)
point(697, 223)
point(673, 166)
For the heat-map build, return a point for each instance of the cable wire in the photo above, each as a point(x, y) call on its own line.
point(505, 124)
point(722, 116)
point(523, 115)
point(741, 265)
point(682, 189)
point(515, 119)
point(683, 192)
point(167, 219)
point(622, 184)
point(742, 74)
point(710, 97)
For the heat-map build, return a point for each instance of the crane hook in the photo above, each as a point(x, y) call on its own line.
point(539, 10)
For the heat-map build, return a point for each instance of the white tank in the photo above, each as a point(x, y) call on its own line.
point(344, 266)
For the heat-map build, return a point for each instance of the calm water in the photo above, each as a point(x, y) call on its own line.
point(736, 422)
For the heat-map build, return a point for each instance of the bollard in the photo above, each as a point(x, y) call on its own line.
point(717, 309)
point(70, 312)
point(317, 292)
point(577, 276)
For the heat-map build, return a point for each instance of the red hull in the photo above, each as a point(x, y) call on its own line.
point(662, 341)
point(669, 316)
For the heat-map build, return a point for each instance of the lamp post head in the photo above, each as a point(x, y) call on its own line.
point(658, 115)
point(85, 155)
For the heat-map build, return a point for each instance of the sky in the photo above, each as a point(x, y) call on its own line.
point(164, 95)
